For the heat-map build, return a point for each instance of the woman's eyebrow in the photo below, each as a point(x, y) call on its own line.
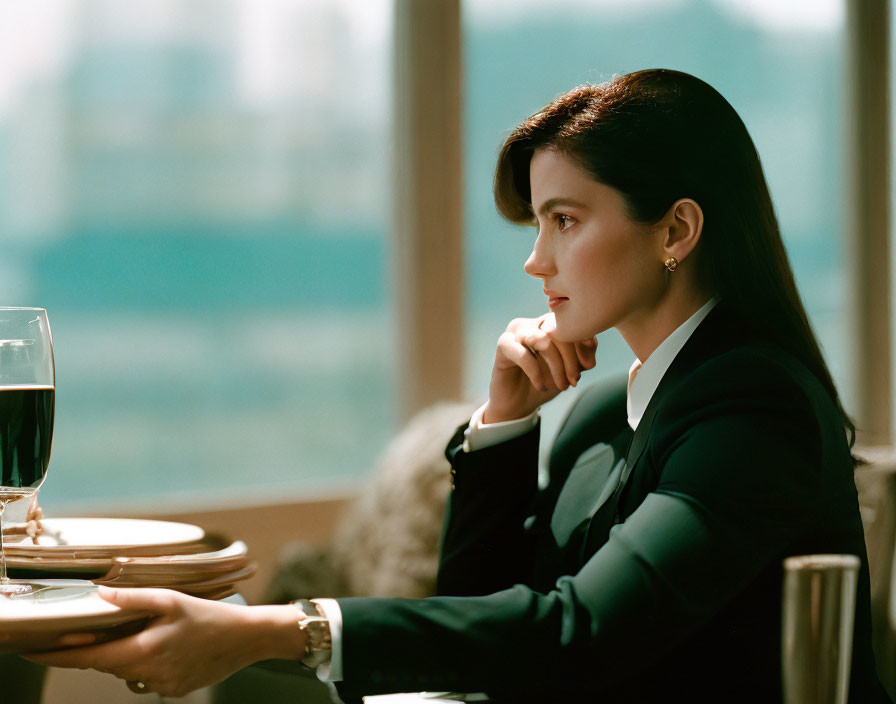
point(553, 203)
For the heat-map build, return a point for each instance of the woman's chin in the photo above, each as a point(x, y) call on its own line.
point(561, 335)
point(566, 333)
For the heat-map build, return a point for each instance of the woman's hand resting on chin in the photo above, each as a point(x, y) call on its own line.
point(531, 368)
point(189, 642)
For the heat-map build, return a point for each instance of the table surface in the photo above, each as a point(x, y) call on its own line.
point(425, 698)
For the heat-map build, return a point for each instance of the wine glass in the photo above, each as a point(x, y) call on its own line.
point(27, 401)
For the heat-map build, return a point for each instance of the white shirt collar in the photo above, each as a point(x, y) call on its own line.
point(651, 371)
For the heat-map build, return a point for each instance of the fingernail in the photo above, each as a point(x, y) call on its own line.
point(107, 593)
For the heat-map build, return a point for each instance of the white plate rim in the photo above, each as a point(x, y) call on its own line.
point(189, 534)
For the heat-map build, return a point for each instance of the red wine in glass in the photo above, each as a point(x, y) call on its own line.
point(27, 403)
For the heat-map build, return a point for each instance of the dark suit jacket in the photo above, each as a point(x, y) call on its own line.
point(649, 568)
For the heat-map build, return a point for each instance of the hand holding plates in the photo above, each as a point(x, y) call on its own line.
point(115, 552)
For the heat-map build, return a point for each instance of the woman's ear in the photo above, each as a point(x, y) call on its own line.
point(683, 226)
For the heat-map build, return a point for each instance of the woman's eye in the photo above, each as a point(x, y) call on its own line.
point(563, 221)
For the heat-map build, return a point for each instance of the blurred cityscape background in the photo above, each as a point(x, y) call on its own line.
point(199, 192)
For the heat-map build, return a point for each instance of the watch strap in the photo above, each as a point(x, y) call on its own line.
point(316, 627)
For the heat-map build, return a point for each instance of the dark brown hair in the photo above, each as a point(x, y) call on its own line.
point(657, 136)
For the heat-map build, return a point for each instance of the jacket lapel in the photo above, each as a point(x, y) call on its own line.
point(586, 489)
point(711, 337)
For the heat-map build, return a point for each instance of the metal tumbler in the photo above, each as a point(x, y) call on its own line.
point(819, 603)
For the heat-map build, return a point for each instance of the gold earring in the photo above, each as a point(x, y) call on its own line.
point(671, 264)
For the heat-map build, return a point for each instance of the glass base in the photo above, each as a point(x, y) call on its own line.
point(46, 589)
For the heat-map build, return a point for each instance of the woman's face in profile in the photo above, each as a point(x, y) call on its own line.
point(599, 268)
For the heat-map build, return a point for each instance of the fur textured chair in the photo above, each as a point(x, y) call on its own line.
point(387, 542)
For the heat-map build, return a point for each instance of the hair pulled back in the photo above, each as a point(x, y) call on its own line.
point(657, 136)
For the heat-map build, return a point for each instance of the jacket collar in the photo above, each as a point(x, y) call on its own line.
point(651, 370)
point(717, 333)
point(713, 336)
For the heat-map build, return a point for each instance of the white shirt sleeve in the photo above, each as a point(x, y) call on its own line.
point(331, 670)
point(480, 435)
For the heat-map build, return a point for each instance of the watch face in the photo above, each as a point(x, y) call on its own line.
point(318, 631)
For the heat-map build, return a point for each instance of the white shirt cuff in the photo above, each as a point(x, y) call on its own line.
point(479, 435)
point(331, 671)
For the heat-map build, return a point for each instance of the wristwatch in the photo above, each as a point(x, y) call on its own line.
point(316, 627)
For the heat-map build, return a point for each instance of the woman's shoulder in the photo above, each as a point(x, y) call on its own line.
point(757, 385)
point(754, 370)
point(750, 422)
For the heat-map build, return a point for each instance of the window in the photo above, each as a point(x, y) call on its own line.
point(197, 192)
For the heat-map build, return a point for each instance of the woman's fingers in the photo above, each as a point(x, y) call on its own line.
point(586, 351)
point(550, 355)
point(547, 324)
point(156, 601)
point(570, 361)
point(132, 658)
point(561, 363)
point(189, 642)
point(522, 356)
point(112, 655)
point(107, 657)
point(531, 367)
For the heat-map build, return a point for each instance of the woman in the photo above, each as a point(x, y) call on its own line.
point(649, 567)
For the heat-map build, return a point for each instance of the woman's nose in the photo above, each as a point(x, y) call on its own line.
point(540, 263)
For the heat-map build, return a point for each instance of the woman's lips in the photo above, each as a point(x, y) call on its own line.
point(555, 301)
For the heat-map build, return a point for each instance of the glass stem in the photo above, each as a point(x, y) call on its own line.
point(3, 578)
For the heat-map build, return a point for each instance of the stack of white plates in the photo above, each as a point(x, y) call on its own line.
point(211, 575)
point(38, 620)
point(128, 552)
point(118, 552)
